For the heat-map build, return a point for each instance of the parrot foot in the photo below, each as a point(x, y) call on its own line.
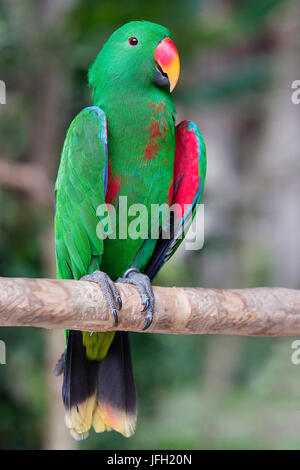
point(143, 284)
point(109, 289)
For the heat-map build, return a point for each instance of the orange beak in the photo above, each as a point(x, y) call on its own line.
point(167, 58)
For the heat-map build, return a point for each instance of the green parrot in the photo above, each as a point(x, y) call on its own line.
point(125, 145)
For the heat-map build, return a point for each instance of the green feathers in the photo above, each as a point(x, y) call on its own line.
point(80, 188)
point(97, 344)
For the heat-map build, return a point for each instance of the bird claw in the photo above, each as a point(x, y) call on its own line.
point(119, 301)
point(149, 321)
point(143, 284)
point(146, 306)
point(109, 289)
point(115, 314)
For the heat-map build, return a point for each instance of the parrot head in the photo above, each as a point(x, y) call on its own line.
point(138, 55)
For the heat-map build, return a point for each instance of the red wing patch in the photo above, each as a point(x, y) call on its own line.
point(186, 167)
point(113, 187)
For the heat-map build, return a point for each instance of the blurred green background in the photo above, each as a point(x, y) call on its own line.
point(239, 59)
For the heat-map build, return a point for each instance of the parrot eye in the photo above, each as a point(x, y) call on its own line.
point(133, 41)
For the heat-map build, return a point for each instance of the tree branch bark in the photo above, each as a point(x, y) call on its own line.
point(79, 305)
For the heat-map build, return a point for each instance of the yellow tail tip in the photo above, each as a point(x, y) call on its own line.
point(79, 418)
point(102, 416)
point(106, 417)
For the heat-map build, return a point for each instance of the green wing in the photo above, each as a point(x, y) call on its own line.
point(80, 188)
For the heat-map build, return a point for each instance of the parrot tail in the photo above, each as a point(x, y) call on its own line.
point(99, 393)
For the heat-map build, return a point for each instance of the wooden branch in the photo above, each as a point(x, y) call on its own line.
point(79, 305)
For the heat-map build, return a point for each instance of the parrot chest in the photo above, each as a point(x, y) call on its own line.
point(141, 163)
point(141, 157)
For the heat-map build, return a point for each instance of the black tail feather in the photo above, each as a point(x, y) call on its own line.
point(80, 374)
point(116, 385)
